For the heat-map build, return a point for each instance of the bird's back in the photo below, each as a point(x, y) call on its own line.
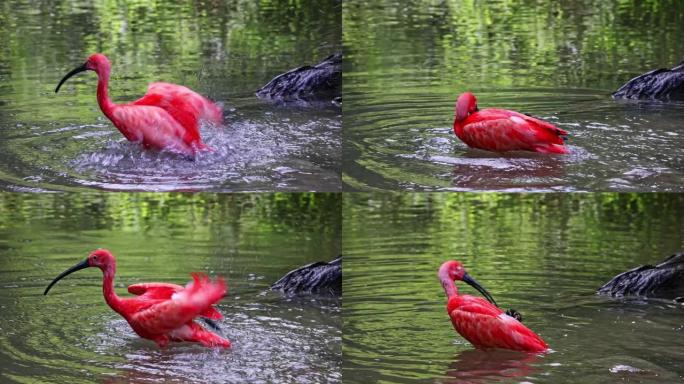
point(174, 96)
point(659, 84)
point(504, 130)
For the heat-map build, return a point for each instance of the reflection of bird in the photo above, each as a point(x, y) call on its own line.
point(480, 321)
point(503, 130)
point(665, 280)
point(320, 277)
point(161, 312)
point(477, 365)
point(167, 117)
point(659, 84)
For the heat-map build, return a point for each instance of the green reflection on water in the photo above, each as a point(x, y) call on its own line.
point(590, 43)
point(543, 254)
point(223, 49)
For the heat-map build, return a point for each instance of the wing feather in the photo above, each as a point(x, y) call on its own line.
point(194, 300)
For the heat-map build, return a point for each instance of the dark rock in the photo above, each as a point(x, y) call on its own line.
point(323, 81)
point(659, 84)
point(320, 277)
point(665, 280)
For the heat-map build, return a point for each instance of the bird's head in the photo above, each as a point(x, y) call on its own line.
point(96, 62)
point(465, 105)
point(453, 270)
point(100, 258)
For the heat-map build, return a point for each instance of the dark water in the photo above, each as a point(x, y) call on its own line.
point(223, 50)
point(72, 336)
point(542, 254)
point(407, 62)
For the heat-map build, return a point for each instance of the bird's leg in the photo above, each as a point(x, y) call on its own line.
point(162, 341)
point(514, 314)
point(211, 323)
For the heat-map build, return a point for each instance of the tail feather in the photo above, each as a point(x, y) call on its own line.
point(552, 148)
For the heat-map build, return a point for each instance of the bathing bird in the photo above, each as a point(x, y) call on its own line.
point(501, 130)
point(160, 312)
point(165, 118)
point(481, 322)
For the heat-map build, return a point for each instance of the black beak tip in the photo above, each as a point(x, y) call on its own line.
point(74, 71)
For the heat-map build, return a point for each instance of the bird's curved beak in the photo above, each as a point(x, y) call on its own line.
point(473, 283)
point(82, 265)
point(74, 71)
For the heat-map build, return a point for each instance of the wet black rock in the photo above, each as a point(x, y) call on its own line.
point(322, 81)
point(665, 280)
point(660, 84)
point(320, 278)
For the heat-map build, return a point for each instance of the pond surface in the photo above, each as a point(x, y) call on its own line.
point(72, 336)
point(225, 51)
point(407, 62)
point(542, 254)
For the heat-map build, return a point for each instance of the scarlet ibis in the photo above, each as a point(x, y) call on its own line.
point(502, 130)
point(166, 117)
point(658, 84)
point(480, 321)
point(161, 312)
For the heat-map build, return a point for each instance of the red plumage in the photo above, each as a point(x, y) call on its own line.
point(166, 117)
point(482, 323)
point(502, 130)
point(162, 312)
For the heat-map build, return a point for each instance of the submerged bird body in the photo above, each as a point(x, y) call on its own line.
point(161, 312)
point(659, 84)
point(664, 280)
point(321, 277)
point(165, 118)
point(481, 322)
point(502, 130)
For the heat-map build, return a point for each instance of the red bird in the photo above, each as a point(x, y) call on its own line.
point(480, 321)
point(161, 312)
point(502, 130)
point(167, 117)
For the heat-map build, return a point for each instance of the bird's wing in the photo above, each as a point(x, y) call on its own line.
point(194, 300)
point(505, 131)
point(486, 330)
point(185, 105)
point(493, 113)
point(153, 126)
point(155, 290)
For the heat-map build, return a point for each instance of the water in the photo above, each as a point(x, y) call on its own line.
point(225, 51)
point(407, 62)
point(542, 254)
point(71, 335)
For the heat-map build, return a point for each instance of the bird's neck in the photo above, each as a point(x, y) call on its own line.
point(103, 100)
point(448, 284)
point(458, 127)
point(110, 295)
